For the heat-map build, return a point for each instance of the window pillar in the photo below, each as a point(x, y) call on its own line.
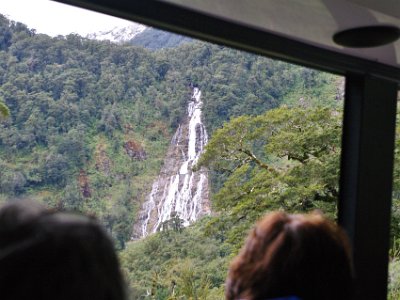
point(366, 178)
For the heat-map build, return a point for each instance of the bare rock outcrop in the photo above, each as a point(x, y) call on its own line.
point(135, 150)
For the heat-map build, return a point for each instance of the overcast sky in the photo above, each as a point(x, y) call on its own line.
point(54, 18)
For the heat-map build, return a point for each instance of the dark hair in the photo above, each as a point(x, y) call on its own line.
point(293, 255)
point(58, 256)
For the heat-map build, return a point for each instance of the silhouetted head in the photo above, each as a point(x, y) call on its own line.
point(292, 255)
point(46, 255)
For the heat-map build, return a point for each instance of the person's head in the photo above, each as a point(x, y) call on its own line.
point(292, 255)
point(47, 255)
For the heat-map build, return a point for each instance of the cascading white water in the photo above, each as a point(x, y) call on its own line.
point(178, 190)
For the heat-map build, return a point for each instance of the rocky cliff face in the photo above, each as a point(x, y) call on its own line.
point(135, 150)
point(179, 192)
point(84, 185)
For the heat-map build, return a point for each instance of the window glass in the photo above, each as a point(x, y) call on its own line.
point(176, 145)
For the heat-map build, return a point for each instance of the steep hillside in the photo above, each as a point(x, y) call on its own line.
point(91, 120)
point(155, 39)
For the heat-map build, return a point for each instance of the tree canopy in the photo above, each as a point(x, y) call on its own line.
point(286, 158)
point(75, 104)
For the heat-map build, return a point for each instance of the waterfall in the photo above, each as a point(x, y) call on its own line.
point(178, 190)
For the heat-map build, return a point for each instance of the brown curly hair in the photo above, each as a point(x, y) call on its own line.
point(306, 256)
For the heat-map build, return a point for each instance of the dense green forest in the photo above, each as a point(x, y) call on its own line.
point(90, 120)
point(85, 125)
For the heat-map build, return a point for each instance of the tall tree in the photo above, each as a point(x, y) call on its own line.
point(287, 158)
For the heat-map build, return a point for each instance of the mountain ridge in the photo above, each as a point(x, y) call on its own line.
point(118, 34)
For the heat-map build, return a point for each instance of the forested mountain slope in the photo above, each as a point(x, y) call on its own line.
point(286, 158)
point(155, 39)
point(78, 107)
point(90, 122)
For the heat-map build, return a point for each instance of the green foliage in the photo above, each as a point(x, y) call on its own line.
point(4, 111)
point(183, 264)
point(74, 103)
point(394, 271)
point(316, 89)
point(287, 158)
